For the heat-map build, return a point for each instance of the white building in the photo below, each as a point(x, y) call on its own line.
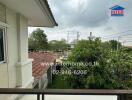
point(15, 17)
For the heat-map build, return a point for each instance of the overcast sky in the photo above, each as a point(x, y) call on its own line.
point(87, 16)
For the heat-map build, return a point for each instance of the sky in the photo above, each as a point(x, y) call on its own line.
point(85, 16)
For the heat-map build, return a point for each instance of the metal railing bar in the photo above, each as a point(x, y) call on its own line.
point(65, 91)
point(42, 96)
point(87, 92)
point(38, 96)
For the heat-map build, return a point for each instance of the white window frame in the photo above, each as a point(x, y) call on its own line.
point(4, 43)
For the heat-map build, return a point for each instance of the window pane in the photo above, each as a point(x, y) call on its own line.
point(1, 46)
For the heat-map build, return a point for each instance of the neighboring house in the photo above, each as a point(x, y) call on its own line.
point(42, 68)
point(129, 47)
point(15, 17)
point(72, 45)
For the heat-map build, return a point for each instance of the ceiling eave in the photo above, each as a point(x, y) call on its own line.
point(43, 4)
point(37, 12)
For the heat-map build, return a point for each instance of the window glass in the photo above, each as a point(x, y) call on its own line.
point(1, 46)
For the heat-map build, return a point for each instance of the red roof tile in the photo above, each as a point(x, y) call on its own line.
point(39, 60)
point(128, 46)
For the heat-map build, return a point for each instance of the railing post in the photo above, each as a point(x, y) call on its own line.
point(42, 96)
point(118, 97)
point(38, 96)
point(122, 97)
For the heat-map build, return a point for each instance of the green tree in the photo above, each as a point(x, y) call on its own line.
point(38, 40)
point(112, 71)
point(89, 51)
point(57, 45)
point(115, 44)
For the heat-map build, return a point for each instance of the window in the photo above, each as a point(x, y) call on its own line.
point(1, 45)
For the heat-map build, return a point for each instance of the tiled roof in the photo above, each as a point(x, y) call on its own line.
point(39, 58)
point(128, 46)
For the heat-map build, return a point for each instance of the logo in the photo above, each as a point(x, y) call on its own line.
point(117, 11)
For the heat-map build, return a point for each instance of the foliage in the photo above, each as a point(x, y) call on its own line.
point(112, 71)
point(114, 44)
point(89, 51)
point(38, 40)
point(56, 45)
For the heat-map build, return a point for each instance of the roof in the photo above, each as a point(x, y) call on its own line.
point(128, 46)
point(117, 7)
point(46, 2)
point(38, 68)
point(37, 12)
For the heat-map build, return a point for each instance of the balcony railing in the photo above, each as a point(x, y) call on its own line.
point(122, 94)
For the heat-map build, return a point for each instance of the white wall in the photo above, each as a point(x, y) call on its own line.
point(23, 33)
point(12, 49)
point(3, 76)
point(24, 65)
point(17, 71)
point(8, 69)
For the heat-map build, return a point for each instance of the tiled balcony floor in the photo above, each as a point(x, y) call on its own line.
point(70, 97)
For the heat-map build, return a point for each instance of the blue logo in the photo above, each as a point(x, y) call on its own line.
point(117, 11)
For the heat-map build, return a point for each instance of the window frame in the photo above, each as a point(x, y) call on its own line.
point(4, 44)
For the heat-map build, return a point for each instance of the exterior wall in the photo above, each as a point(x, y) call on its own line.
point(12, 49)
point(8, 69)
point(49, 75)
point(24, 65)
point(24, 74)
point(17, 69)
point(43, 82)
point(23, 33)
point(3, 72)
point(46, 79)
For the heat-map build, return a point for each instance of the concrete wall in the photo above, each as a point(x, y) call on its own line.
point(17, 70)
point(12, 49)
point(43, 82)
point(3, 76)
point(24, 65)
point(8, 69)
point(22, 23)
